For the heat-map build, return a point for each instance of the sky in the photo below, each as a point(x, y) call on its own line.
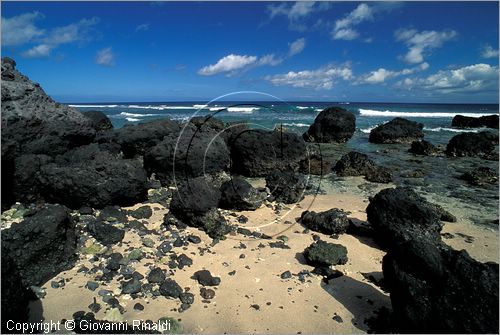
point(298, 51)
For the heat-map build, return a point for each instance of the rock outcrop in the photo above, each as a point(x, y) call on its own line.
point(433, 288)
point(423, 148)
point(256, 153)
point(398, 130)
point(358, 164)
point(481, 176)
point(474, 145)
point(332, 125)
point(489, 121)
point(238, 194)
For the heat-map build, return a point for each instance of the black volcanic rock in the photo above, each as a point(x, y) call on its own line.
point(257, 153)
point(358, 164)
point(191, 154)
point(424, 148)
point(332, 125)
point(105, 233)
point(473, 144)
point(286, 186)
point(398, 130)
point(99, 120)
point(322, 253)
point(399, 214)
point(238, 194)
point(94, 178)
point(333, 221)
point(480, 176)
point(43, 245)
point(489, 121)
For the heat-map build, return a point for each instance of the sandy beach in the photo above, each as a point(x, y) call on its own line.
point(252, 298)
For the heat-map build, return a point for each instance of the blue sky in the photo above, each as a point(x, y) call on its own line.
point(311, 51)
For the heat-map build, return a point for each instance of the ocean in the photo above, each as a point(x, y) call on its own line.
point(439, 183)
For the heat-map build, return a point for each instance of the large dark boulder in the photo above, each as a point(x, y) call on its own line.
point(98, 120)
point(358, 164)
point(191, 154)
point(195, 203)
point(332, 125)
point(398, 130)
point(238, 194)
point(423, 148)
point(42, 245)
point(286, 186)
point(256, 153)
point(333, 221)
point(473, 144)
point(489, 121)
point(135, 139)
point(399, 214)
point(16, 295)
point(480, 176)
point(92, 177)
point(105, 233)
point(435, 289)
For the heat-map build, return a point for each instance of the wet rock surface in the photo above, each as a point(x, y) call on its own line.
point(334, 124)
point(398, 130)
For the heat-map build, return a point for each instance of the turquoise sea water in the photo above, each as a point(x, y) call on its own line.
point(439, 183)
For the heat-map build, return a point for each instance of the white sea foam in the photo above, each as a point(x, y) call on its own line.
point(388, 113)
point(93, 106)
point(134, 115)
point(296, 124)
point(367, 130)
point(455, 130)
point(302, 107)
point(131, 119)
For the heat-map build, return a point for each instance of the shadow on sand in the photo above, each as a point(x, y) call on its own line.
point(360, 299)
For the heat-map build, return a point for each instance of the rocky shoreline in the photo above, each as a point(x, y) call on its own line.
point(161, 213)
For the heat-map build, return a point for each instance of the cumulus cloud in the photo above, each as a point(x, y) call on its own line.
point(419, 43)
point(142, 27)
point(41, 50)
point(105, 57)
point(489, 52)
point(381, 75)
point(469, 79)
point(297, 46)
point(228, 64)
point(322, 78)
point(20, 29)
point(343, 29)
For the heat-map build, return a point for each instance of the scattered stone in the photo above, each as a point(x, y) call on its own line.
point(187, 298)
point(132, 286)
point(194, 239)
point(205, 278)
point(333, 221)
point(323, 254)
point(138, 307)
point(337, 318)
point(147, 242)
point(105, 233)
point(286, 275)
point(95, 307)
point(143, 212)
point(183, 260)
point(156, 276)
point(135, 255)
point(207, 293)
point(170, 288)
point(279, 245)
point(256, 307)
point(92, 285)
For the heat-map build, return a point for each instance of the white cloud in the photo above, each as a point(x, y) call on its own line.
point(489, 52)
point(322, 78)
point(41, 50)
point(297, 12)
point(20, 29)
point(343, 29)
point(269, 60)
point(419, 43)
point(105, 57)
point(345, 34)
point(297, 46)
point(142, 27)
point(381, 75)
point(469, 79)
point(229, 63)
